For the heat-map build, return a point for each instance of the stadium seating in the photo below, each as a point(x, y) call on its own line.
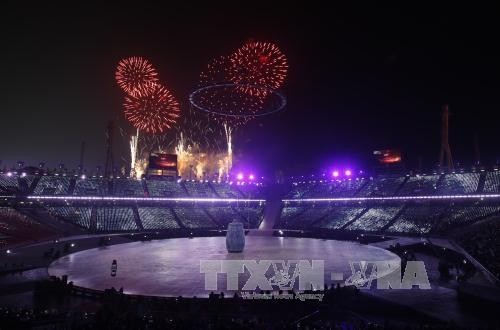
point(199, 189)
point(492, 182)
point(252, 215)
point(52, 185)
point(374, 219)
point(18, 228)
point(419, 185)
point(337, 216)
point(77, 215)
point(8, 183)
point(419, 219)
point(459, 183)
point(383, 186)
point(157, 218)
point(91, 187)
point(249, 190)
point(163, 188)
point(194, 216)
point(127, 187)
point(110, 219)
point(459, 215)
point(224, 190)
point(223, 215)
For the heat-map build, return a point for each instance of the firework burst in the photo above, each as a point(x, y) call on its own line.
point(261, 64)
point(134, 72)
point(152, 109)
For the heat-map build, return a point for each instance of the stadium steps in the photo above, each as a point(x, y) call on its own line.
point(354, 219)
point(393, 220)
point(93, 220)
point(71, 187)
point(480, 184)
point(33, 185)
point(398, 189)
point(137, 218)
point(177, 219)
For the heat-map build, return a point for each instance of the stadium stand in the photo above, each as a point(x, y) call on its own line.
point(419, 219)
point(459, 215)
point(194, 216)
point(110, 219)
point(383, 186)
point(252, 215)
point(52, 185)
point(93, 186)
point(18, 228)
point(374, 219)
point(157, 218)
point(76, 215)
point(249, 190)
point(224, 190)
point(492, 182)
point(199, 189)
point(338, 216)
point(127, 187)
point(163, 188)
point(419, 185)
point(8, 182)
point(459, 183)
point(223, 215)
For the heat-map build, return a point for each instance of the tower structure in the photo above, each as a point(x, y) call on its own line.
point(445, 158)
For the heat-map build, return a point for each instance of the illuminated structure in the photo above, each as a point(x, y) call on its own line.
point(445, 152)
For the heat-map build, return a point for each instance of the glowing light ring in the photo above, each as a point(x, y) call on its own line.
point(192, 100)
point(149, 199)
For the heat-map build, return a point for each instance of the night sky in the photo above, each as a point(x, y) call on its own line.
point(359, 80)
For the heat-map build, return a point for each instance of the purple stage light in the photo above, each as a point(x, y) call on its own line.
point(239, 176)
point(251, 177)
point(335, 174)
point(348, 172)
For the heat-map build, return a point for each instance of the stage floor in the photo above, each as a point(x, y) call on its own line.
point(171, 267)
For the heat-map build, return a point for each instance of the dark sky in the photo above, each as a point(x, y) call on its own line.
point(359, 79)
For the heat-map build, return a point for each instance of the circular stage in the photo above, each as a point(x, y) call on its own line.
point(171, 267)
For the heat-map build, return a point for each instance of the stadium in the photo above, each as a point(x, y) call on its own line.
point(178, 230)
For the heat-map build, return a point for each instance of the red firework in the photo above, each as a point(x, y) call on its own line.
point(133, 72)
point(152, 109)
point(258, 63)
